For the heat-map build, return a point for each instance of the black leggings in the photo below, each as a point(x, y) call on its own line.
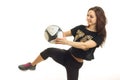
point(64, 58)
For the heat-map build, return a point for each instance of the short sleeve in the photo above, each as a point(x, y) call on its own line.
point(74, 30)
point(98, 40)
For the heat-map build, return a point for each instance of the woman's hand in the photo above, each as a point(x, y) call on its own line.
point(61, 40)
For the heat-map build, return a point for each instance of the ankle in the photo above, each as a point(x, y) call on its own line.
point(33, 64)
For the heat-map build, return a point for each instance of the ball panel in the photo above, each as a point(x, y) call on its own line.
point(52, 29)
point(46, 35)
point(52, 32)
point(60, 34)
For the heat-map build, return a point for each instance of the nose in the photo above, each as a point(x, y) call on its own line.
point(88, 17)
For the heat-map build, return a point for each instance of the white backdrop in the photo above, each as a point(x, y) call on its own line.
point(22, 25)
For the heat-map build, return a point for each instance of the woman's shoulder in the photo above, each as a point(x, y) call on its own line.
point(81, 26)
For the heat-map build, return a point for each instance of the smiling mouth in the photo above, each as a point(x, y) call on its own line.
point(89, 22)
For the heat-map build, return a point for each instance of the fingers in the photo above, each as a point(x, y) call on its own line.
point(59, 40)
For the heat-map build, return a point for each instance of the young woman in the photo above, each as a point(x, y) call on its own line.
point(86, 39)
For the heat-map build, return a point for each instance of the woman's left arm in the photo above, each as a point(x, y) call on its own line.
point(82, 45)
point(67, 33)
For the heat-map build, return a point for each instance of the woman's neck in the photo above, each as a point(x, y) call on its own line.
point(91, 28)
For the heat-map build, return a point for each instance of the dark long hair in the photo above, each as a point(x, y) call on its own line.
point(100, 23)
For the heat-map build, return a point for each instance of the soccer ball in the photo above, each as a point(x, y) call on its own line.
point(52, 32)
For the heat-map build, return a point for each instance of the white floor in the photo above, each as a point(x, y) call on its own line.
point(22, 25)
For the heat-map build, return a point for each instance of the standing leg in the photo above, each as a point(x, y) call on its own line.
point(72, 68)
point(72, 74)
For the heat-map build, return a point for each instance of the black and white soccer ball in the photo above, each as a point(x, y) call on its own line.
point(52, 32)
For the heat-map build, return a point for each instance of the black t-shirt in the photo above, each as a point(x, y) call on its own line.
point(81, 34)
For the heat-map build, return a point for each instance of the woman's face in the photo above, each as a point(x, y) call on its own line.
point(91, 18)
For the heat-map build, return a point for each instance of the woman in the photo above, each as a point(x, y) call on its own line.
point(86, 40)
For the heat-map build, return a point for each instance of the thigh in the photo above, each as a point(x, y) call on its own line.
point(73, 72)
point(72, 68)
point(55, 53)
point(59, 56)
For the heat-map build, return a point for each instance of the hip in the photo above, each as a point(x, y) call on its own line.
point(80, 60)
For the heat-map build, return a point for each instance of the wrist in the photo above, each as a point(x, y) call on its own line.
point(68, 43)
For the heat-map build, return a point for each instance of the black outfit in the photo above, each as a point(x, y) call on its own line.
point(65, 58)
point(80, 33)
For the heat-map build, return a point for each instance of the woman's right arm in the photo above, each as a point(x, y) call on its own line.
point(67, 33)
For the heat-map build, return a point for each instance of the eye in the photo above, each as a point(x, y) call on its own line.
point(87, 15)
point(91, 16)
